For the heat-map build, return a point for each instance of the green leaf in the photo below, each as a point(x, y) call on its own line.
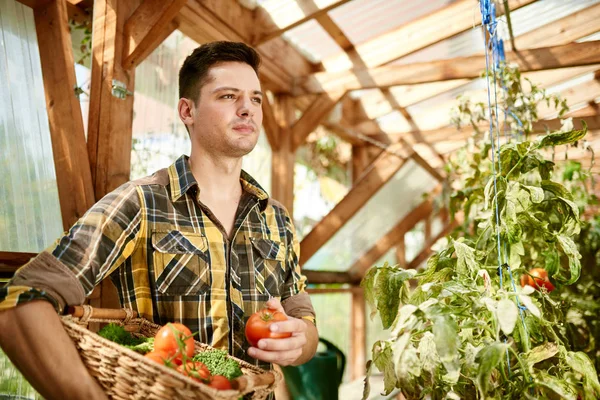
point(465, 258)
point(570, 249)
point(558, 138)
point(556, 189)
point(488, 358)
point(582, 364)
point(541, 353)
point(537, 193)
point(382, 358)
point(388, 284)
point(516, 252)
point(551, 261)
point(507, 313)
point(447, 343)
point(556, 385)
point(367, 284)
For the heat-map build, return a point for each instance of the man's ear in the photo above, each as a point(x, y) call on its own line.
point(185, 108)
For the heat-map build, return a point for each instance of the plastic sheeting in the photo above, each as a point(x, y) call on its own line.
point(30, 217)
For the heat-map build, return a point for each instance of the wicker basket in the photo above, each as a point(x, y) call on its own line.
point(125, 374)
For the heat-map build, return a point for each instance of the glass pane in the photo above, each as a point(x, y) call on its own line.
point(377, 217)
point(30, 217)
point(414, 240)
point(332, 311)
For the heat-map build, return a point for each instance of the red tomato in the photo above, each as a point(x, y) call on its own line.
point(158, 356)
point(258, 326)
point(195, 370)
point(537, 280)
point(219, 382)
point(172, 338)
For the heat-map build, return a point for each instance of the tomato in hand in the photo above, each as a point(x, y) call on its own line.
point(219, 382)
point(259, 326)
point(174, 337)
point(195, 370)
point(537, 278)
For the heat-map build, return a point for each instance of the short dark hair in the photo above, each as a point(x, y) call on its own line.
point(194, 71)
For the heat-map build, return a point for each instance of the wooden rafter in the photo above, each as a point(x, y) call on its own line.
point(313, 116)
point(564, 56)
point(74, 180)
point(11, 261)
point(456, 18)
point(147, 27)
point(563, 31)
point(283, 159)
point(270, 124)
point(320, 277)
point(381, 171)
point(208, 20)
point(310, 12)
point(392, 237)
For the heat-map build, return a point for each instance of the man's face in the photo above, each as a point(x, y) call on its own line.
point(228, 115)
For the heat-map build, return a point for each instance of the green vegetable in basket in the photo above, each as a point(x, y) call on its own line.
point(218, 363)
point(118, 334)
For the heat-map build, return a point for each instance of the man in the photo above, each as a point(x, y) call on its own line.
point(199, 243)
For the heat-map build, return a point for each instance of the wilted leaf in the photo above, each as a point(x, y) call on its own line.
point(507, 313)
point(488, 358)
point(558, 138)
point(388, 284)
point(367, 386)
point(541, 353)
point(582, 364)
point(527, 302)
point(570, 249)
point(556, 385)
point(428, 353)
point(445, 332)
point(382, 358)
point(465, 258)
point(537, 193)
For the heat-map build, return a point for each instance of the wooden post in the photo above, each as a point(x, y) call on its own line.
point(110, 117)
point(284, 157)
point(74, 181)
point(401, 253)
point(358, 334)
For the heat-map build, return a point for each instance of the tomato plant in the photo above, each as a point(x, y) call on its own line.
point(259, 324)
point(175, 339)
point(537, 278)
point(219, 382)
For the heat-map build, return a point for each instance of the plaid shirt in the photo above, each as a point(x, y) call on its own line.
point(171, 260)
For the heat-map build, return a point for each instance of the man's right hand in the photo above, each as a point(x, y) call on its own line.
point(33, 337)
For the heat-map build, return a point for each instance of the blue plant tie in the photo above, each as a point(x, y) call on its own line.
point(486, 11)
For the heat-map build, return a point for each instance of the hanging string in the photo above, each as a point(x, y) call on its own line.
point(489, 29)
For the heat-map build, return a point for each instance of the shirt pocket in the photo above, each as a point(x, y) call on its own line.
point(268, 259)
point(181, 263)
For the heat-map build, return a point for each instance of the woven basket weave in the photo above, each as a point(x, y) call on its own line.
point(125, 374)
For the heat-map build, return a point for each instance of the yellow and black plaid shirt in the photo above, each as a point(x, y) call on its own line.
point(171, 260)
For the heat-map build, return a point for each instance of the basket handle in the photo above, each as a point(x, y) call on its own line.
point(248, 382)
point(88, 312)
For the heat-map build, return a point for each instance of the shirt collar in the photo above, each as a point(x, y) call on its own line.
point(182, 180)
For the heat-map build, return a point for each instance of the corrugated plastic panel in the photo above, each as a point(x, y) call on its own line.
point(30, 217)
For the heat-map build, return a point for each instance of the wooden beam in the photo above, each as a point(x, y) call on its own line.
point(10, 261)
point(35, 3)
point(320, 277)
point(564, 56)
point(274, 31)
point(270, 124)
point(110, 117)
point(74, 180)
point(458, 17)
point(358, 336)
point(208, 20)
point(145, 29)
point(401, 253)
point(381, 171)
point(392, 238)
point(284, 157)
point(313, 117)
